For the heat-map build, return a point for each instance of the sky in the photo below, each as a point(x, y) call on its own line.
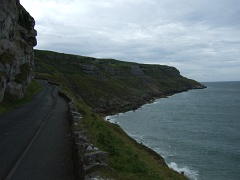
point(201, 38)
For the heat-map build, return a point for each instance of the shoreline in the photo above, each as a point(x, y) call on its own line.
point(137, 102)
point(151, 151)
point(158, 157)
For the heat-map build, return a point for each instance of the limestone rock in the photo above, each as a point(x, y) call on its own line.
point(95, 157)
point(15, 89)
point(17, 39)
point(136, 71)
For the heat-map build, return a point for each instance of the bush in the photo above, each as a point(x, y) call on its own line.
point(23, 75)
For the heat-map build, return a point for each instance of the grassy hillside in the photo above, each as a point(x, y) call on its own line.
point(106, 86)
point(110, 86)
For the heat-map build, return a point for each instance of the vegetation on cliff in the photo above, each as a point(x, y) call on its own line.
point(127, 159)
point(106, 86)
point(18, 37)
point(111, 86)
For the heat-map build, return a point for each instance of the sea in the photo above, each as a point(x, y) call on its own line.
point(197, 131)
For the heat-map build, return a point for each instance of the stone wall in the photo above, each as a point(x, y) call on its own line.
point(87, 156)
point(17, 39)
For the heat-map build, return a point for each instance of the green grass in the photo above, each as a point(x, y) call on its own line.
point(127, 158)
point(115, 90)
point(10, 101)
point(115, 82)
point(23, 75)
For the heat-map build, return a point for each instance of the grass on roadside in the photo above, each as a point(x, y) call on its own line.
point(11, 101)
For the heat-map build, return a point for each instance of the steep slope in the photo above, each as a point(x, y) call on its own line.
point(108, 85)
point(17, 39)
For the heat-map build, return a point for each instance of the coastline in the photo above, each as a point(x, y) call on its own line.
point(151, 152)
point(188, 126)
point(127, 122)
point(96, 98)
point(137, 102)
point(157, 156)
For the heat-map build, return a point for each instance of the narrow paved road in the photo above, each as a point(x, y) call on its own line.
point(35, 139)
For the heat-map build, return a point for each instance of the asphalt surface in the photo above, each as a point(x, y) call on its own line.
point(35, 140)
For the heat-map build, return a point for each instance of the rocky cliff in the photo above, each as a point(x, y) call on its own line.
point(110, 86)
point(17, 39)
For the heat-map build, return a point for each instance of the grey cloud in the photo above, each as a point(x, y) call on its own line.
point(198, 37)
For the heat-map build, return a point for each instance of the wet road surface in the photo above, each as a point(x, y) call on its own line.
point(35, 140)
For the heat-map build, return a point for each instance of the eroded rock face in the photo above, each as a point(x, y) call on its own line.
point(17, 39)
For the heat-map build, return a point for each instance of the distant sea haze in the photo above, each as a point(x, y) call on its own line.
point(197, 132)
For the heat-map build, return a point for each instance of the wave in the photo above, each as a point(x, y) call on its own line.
point(191, 174)
point(146, 140)
point(165, 154)
point(111, 119)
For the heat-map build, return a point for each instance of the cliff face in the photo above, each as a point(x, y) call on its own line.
point(109, 86)
point(17, 39)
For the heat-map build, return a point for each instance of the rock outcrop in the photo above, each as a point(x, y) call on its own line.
point(17, 39)
point(136, 71)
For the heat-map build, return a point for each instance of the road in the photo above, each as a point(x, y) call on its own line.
point(35, 140)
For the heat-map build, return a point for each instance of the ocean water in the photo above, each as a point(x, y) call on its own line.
point(197, 132)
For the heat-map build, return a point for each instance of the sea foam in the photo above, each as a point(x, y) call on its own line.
point(191, 174)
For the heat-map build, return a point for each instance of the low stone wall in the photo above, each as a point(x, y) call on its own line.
point(88, 156)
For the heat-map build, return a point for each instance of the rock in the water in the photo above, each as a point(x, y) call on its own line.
point(17, 39)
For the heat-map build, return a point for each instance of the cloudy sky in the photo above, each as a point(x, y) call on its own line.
point(199, 37)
